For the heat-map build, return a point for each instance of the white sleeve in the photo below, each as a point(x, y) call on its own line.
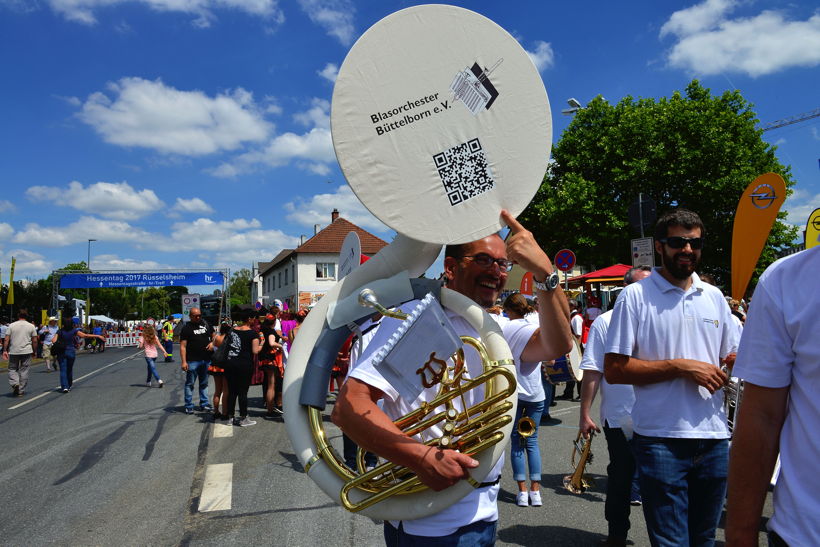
point(596, 344)
point(518, 334)
point(765, 356)
point(622, 332)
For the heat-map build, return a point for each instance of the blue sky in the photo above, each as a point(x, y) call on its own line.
point(195, 133)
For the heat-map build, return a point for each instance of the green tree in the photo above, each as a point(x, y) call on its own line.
point(695, 150)
point(240, 286)
point(154, 303)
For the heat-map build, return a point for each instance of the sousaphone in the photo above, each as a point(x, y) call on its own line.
point(439, 120)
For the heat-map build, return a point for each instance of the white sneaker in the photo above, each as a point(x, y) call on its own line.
point(148, 384)
point(246, 422)
point(521, 500)
point(535, 498)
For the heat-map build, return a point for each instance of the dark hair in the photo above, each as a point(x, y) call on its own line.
point(455, 251)
point(22, 314)
point(708, 278)
point(678, 217)
point(631, 271)
point(68, 324)
point(518, 304)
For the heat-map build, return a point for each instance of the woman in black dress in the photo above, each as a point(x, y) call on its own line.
point(244, 344)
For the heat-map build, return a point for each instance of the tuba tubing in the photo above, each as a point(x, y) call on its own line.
point(402, 254)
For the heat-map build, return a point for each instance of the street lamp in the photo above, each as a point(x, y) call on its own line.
point(575, 106)
point(88, 290)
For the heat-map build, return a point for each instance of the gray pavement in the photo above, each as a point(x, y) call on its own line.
point(116, 463)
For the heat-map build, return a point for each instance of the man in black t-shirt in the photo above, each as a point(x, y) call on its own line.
point(196, 349)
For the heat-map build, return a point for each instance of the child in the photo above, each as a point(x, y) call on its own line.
point(151, 343)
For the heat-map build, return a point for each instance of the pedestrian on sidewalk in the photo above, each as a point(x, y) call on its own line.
point(150, 343)
point(19, 346)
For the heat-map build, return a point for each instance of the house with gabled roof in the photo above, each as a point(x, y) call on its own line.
point(299, 277)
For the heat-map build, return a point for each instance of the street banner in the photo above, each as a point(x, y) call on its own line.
point(813, 229)
point(139, 279)
point(755, 216)
point(10, 298)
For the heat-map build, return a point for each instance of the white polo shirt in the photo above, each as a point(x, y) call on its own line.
point(654, 320)
point(479, 504)
point(616, 399)
point(781, 347)
point(517, 332)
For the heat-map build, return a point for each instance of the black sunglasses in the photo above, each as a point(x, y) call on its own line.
point(486, 261)
point(677, 242)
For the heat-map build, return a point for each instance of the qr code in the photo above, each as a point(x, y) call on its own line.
point(464, 171)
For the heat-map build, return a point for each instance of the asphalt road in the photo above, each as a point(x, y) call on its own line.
point(116, 463)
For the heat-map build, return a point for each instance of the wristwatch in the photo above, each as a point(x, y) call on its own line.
point(549, 283)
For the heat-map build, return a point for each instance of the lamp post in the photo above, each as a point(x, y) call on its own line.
point(88, 290)
point(574, 106)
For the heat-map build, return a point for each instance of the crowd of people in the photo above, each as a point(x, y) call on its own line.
point(660, 358)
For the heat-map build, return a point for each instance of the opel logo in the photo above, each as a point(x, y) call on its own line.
point(763, 196)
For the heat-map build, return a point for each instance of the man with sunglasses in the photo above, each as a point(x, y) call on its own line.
point(196, 350)
point(478, 270)
point(668, 336)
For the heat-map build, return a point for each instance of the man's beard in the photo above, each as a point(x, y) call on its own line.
point(680, 271)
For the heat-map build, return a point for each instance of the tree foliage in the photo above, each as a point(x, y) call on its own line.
point(240, 286)
point(693, 150)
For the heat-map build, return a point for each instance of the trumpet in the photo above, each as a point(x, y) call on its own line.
point(578, 483)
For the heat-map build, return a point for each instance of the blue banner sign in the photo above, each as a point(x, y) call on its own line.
point(139, 279)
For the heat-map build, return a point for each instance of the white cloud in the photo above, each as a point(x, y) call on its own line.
point(710, 43)
point(329, 73)
point(231, 236)
point(799, 206)
point(6, 206)
point(316, 210)
point(312, 150)
point(335, 16)
point(193, 205)
point(543, 56)
point(83, 11)
point(27, 264)
point(115, 262)
point(117, 200)
point(150, 114)
point(6, 231)
point(77, 232)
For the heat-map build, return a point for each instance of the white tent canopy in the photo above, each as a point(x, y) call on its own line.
point(102, 318)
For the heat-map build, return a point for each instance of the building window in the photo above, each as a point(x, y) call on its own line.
point(280, 280)
point(293, 272)
point(325, 270)
point(286, 276)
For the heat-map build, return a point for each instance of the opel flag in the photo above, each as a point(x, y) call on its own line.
point(813, 229)
point(755, 216)
point(10, 298)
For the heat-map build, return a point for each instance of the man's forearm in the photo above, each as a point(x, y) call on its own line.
point(553, 321)
point(183, 350)
point(622, 369)
point(589, 387)
point(755, 444)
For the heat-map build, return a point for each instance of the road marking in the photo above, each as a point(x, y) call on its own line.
point(217, 488)
point(223, 430)
point(564, 410)
point(27, 401)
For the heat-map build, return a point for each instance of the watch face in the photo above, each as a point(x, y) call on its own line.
point(552, 280)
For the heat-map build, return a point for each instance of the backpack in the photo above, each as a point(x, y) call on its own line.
point(220, 356)
point(58, 345)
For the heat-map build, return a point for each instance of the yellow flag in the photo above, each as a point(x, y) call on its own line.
point(755, 216)
point(813, 229)
point(10, 298)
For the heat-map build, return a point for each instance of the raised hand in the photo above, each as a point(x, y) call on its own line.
point(523, 249)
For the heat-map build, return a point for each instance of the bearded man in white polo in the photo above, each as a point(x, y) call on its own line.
point(668, 337)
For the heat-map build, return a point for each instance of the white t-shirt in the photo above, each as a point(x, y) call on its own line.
point(593, 313)
point(20, 334)
point(654, 320)
point(479, 504)
point(781, 347)
point(577, 324)
point(49, 333)
point(517, 332)
point(616, 399)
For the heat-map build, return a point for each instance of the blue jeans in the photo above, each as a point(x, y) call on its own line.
point(169, 349)
point(477, 534)
point(620, 473)
point(152, 369)
point(196, 370)
point(518, 444)
point(66, 370)
point(549, 393)
point(683, 486)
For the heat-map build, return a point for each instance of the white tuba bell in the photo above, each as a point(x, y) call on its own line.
point(439, 120)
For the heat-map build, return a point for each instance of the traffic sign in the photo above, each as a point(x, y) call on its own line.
point(643, 251)
point(565, 260)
